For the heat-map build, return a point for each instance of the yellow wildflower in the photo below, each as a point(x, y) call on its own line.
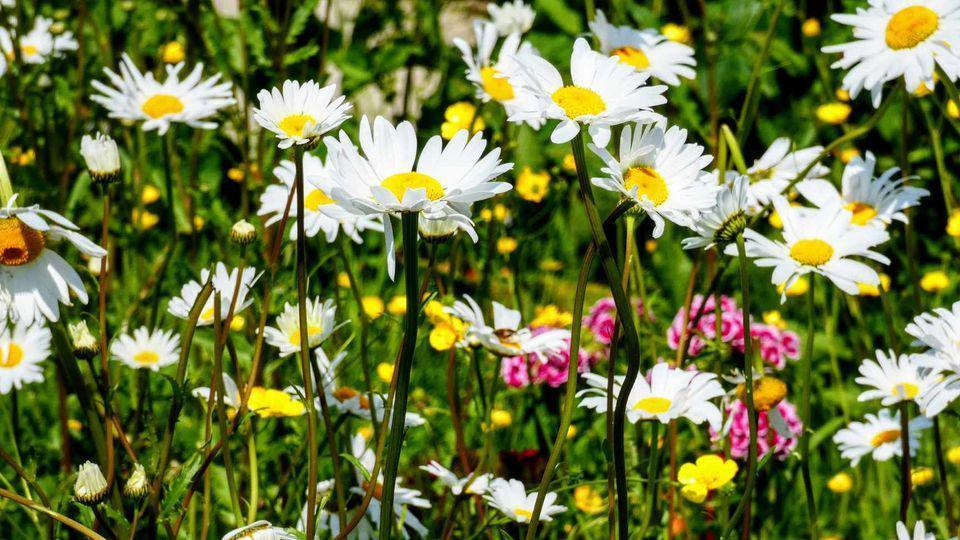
point(267, 403)
point(551, 315)
point(198, 223)
point(366, 432)
point(842, 94)
point(848, 154)
point(173, 53)
point(840, 483)
point(810, 28)
point(506, 245)
point(150, 194)
point(397, 305)
point(569, 163)
point(235, 174)
point(238, 323)
point(445, 334)
point(677, 32)
point(935, 281)
point(533, 186)
point(385, 372)
point(834, 113)
point(921, 475)
point(587, 499)
point(146, 220)
point(460, 116)
point(372, 306)
point(952, 110)
point(953, 224)
point(774, 318)
point(500, 418)
point(343, 280)
point(710, 472)
point(953, 455)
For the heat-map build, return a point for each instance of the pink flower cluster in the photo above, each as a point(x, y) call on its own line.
point(600, 320)
point(520, 371)
point(776, 345)
point(769, 438)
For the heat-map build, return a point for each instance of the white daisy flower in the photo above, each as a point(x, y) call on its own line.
point(511, 17)
point(512, 500)
point(39, 44)
point(231, 393)
point(489, 76)
point(390, 178)
point(776, 168)
point(224, 282)
point(506, 337)
point(938, 330)
point(893, 379)
point(878, 435)
point(604, 93)
point(660, 172)
point(320, 324)
point(34, 279)
point(721, 224)
point(919, 532)
point(135, 97)
point(474, 485)
point(875, 201)
point(22, 348)
point(259, 530)
point(648, 51)
point(101, 156)
point(820, 241)
point(301, 113)
point(146, 349)
point(898, 38)
point(669, 394)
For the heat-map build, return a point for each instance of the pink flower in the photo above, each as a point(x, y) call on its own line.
point(520, 371)
point(776, 345)
point(731, 324)
point(768, 438)
point(514, 371)
point(602, 318)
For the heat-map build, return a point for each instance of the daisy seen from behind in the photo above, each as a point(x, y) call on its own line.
point(468, 485)
point(777, 168)
point(301, 113)
point(919, 532)
point(648, 51)
point(513, 501)
point(879, 436)
point(23, 346)
point(321, 321)
point(224, 283)
point(506, 337)
point(939, 331)
point(146, 349)
point(720, 225)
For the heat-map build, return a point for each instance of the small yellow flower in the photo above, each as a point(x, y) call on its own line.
point(874, 290)
point(650, 245)
point(551, 315)
point(500, 212)
point(551, 265)
point(235, 174)
point(436, 312)
point(848, 154)
point(500, 418)
point(840, 483)
point(810, 28)
point(385, 372)
point(677, 32)
point(921, 475)
point(842, 94)
point(447, 333)
point(952, 110)
point(269, 403)
point(397, 305)
point(506, 245)
point(26, 158)
point(460, 116)
point(571, 432)
point(533, 186)
point(173, 53)
point(935, 281)
point(569, 163)
point(372, 306)
point(145, 221)
point(775, 220)
point(150, 194)
point(74, 425)
point(198, 223)
point(767, 392)
point(799, 287)
point(587, 499)
point(953, 224)
point(953, 455)
point(774, 318)
point(710, 472)
point(834, 113)
point(366, 432)
point(238, 323)
point(343, 280)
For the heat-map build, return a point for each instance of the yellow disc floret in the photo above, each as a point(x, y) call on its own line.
point(398, 184)
point(13, 357)
point(911, 26)
point(862, 212)
point(315, 199)
point(648, 182)
point(653, 405)
point(293, 125)
point(811, 252)
point(577, 101)
point(632, 56)
point(495, 84)
point(146, 358)
point(19, 244)
point(160, 105)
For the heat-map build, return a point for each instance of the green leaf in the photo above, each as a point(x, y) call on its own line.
point(563, 16)
point(178, 488)
point(356, 463)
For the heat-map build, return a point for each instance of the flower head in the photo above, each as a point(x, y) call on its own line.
point(286, 336)
point(709, 473)
point(301, 113)
point(224, 284)
point(102, 157)
point(647, 51)
point(879, 436)
point(146, 349)
point(23, 347)
point(511, 17)
point(512, 500)
point(91, 487)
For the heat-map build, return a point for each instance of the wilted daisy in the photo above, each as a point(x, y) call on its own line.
point(898, 38)
point(721, 224)
point(893, 379)
point(34, 280)
point(39, 44)
point(146, 349)
point(820, 241)
point(872, 200)
point(136, 97)
point(259, 530)
point(660, 172)
point(231, 394)
point(474, 485)
point(878, 435)
point(938, 330)
point(776, 168)
point(604, 93)
point(320, 323)
point(506, 337)
point(322, 213)
point(511, 17)
point(489, 76)
point(512, 500)
point(648, 51)
point(301, 113)
point(22, 349)
point(225, 283)
point(665, 394)
point(90, 487)
point(919, 532)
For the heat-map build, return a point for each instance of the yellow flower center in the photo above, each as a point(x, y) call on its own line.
point(146, 358)
point(648, 182)
point(207, 314)
point(653, 405)
point(13, 357)
point(311, 331)
point(885, 436)
point(811, 252)
point(576, 101)
point(345, 393)
point(19, 244)
point(906, 390)
point(523, 512)
point(29, 50)
point(161, 105)
point(632, 56)
point(911, 26)
point(315, 199)
point(862, 212)
point(496, 85)
point(398, 184)
point(293, 125)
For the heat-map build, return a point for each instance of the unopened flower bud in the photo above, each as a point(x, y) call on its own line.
point(243, 232)
point(90, 487)
point(102, 157)
point(137, 485)
point(85, 346)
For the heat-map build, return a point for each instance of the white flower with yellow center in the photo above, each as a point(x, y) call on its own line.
point(893, 379)
point(878, 435)
point(506, 337)
point(875, 201)
point(321, 321)
point(136, 97)
point(489, 76)
point(231, 393)
point(939, 331)
point(777, 167)
point(259, 530)
point(301, 113)
point(721, 224)
point(321, 212)
point(511, 17)
point(605, 93)
point(224, 283)
point(660, 172)
point(39, 44)
point(22, 348)
point(389, 177)
point(669, 394)
point(647, 51)
point(34, 279)
point(474, 485)
point(820, 241)
point(146, 349)
point(898, 38)
point(513, 501)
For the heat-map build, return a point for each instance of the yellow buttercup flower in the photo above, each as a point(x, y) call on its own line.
point(145, 220)
point(810, 28)
point(500, 212)
point(650, 245)
point(238, 323)
point(587, 499)
point(842, 94)
point(834, 113)
point(385, 372)
point(551, 265)
point(150, 194)
point(952, 110)
point(935, 281)
point(447, 333)
point(848, 154)
point(74, 425)
point(873, 290)
point(571, 432)
point(677, 32)
point(921, 475)
point(506, 245)
point(373, 306)
point(953, 455)
point(799, 287)
point(436, 312)
point(953, 224)
point(774, 318)
point(710, 472)
point(270, 403)
point(569, 163)
point(840, 483)
point(397, 305)
point(343, 280)
point(173, 53)
point(459, 116)
point(235, 174)
point(551, 315)
point(500, 418)
point(533, 186)
point(198, 223)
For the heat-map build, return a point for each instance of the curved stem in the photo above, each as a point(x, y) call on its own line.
point(905, 481)
point(748, 376)
point(750, 102)
point(33, 505)
point(805, 414)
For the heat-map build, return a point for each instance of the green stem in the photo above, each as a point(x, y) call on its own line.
point(942, 471)
point(905, 481)
point(218, 389)
point(946, 186)
point(33, 505)
point(750, 102)
point(805, 414)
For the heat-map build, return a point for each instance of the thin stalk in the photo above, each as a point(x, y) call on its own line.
point(102, 310)
point(905, 481)
point(942, 472)
point(408, 222)
point(219, 325)
point(37, 507)
point(805, 414)
point(750, 102)
point(748, 375)
point(946, 186)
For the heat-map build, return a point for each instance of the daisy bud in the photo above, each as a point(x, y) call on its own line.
point(437, 230)
point(85, 346)
point(243, 233)
point(102, 157)
point(137, 485)
point(91, 487)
